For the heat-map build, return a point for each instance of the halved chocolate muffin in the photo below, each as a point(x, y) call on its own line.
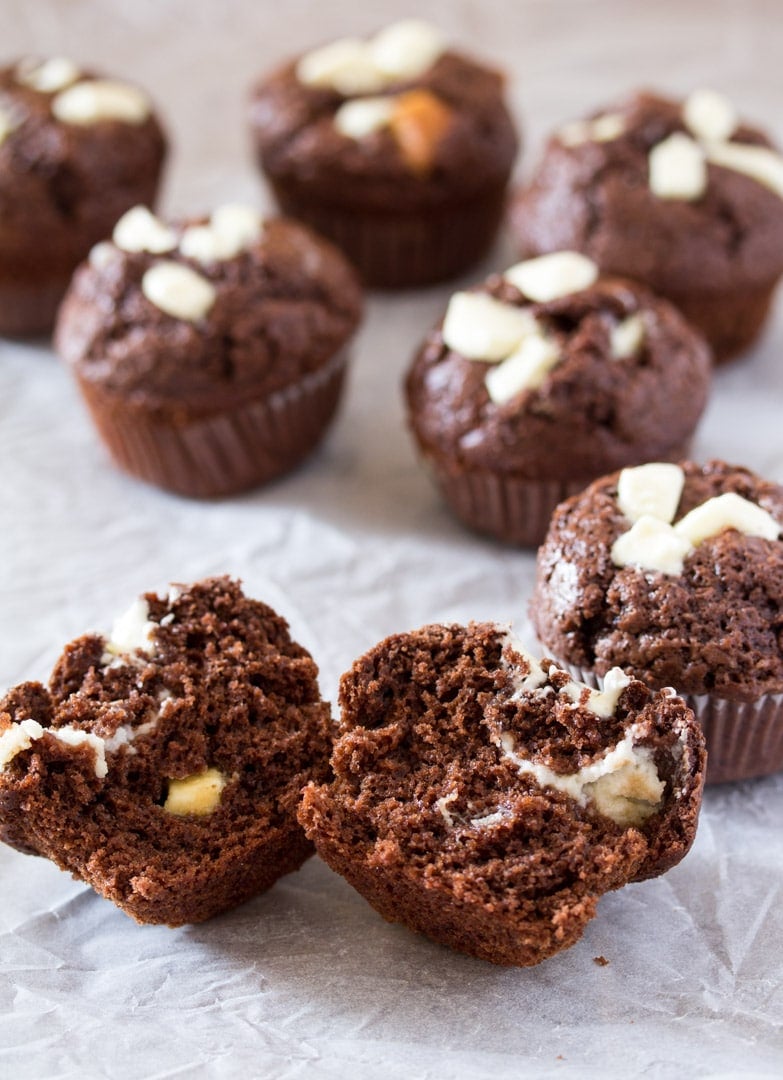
point(487, 801)
point(164, 763)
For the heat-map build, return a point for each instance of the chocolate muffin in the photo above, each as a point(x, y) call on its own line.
point(163, 764)
point(76, 151)
point(675, 573)
point(543, 378)
point(396, 147)
point(681, 196)
point(211, 354)
point(486, 800)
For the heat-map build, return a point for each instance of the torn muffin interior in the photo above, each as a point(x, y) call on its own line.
point(163, 763)
point(476, 787)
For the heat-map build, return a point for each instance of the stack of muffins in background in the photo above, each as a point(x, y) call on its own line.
point(554, 403)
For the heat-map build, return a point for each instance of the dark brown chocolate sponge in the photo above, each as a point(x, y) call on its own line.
point(62, 187)
point(401, 225)
point(435, 825)
point(226, 402)
point(503, 468)
point(713, 632)
point(225, 689)
point(718, 258)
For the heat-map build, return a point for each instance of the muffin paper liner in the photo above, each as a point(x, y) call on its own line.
point(744, 738)
point(408, 248)
point(511, 508)
point(229, 451)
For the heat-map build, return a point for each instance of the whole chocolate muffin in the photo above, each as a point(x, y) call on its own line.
point(488, 801)
point(164, 763)
point(681, 196)
point(695, 604)
point(76, 151)
point(543, 378)
point(396, 148)
point(212, 353)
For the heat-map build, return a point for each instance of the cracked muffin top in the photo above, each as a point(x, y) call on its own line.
point(668, 192)
point(201, 312)
point(550, 371)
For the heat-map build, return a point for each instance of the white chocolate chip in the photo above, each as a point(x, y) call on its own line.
point(101, 255)
point(727, 511)
point(652, 490)
point(140, 230)
point(605, 128)
point(95, 100)
point(601, 702)
point(534, 676)
point(525, 369)
point(198, 794)
point(623, 784)
point(9, 121)
point(479, 327)
point(651, 544)
point(627, 337)
point(178, 290)
point(759, 162)
point(72, 736)
point(678, 169)
point(133, 631)
point(47, 76)
point(709, 116)
point(231, 229)
point(362, 116)
point(442, 806)
point(345, 65)
point(406, 49)
point(18, 737)
point(549, 277)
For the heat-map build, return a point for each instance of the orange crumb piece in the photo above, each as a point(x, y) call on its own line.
point(418, 123)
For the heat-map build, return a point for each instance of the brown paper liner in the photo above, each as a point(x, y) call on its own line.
point(512, 508)
point(397, 250)
point(744, 738)
point(225, 452)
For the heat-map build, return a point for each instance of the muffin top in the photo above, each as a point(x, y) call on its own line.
point(552, 372)
point(205, 311)
point(680, 195)
point(674, 573)
point(394, 119)
point(69, 140)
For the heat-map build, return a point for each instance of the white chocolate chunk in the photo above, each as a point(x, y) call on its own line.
point(345, 65)
point(21, 737)
point(231, 230)
point(442, 806)
point(727, 511)
point(759, 162)
point(133, 631)
point(651, 544)
point(678, 169)
point(627, 337)
point(525, 369)
point(8, 122)
point(623, 784)
point(47, 76)
point(709, 116)
point(125, 735)
point(479, 327)
point(362, 116)
point(198, 794)
point(406, 49)
point(139, 230)
point(488, 821)
point(534, 677)
point(652, 490)
point(101, 255)
point(601, 702)
point(605, 128)
point(178, 290)
point(95, 100)
point(18, 737)
point(549, 277)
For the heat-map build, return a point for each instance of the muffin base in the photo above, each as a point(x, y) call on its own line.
point(28, 309)
point(744, 738)
point(731, 322)
point(221, 453)
point(408, 248)
point(510, 508)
